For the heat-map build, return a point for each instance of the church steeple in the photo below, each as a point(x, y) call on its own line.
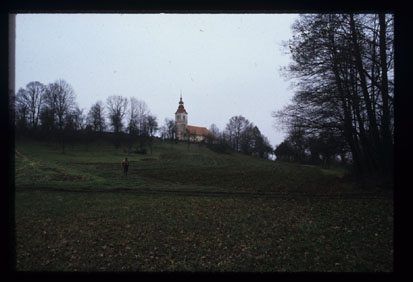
point(181, 120)
point(181, 108)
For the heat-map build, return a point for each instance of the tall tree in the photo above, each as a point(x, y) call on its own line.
point(137, 117)
point(235, 127)
point(168, 130)
point(59, 103)
point(96, 117)
point(21, 110)
point(133, 120)
point(142, 112)
point(341, 65)
point(152, 125)
point(214, 130)
point(60, 100)
point(77, 119)
point(260, 144)
point(152, 128)
point(246, 138)
point(117, 106)
point(34, 98)
point(386, 118)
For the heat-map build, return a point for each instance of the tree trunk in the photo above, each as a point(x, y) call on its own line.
point(348, 127)
point(385, 120)
point(359, 65)
point(368, 153)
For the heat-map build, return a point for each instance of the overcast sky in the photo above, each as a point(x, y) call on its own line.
point(224, 64)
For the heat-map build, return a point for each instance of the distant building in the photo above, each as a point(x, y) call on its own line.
point(185, 131)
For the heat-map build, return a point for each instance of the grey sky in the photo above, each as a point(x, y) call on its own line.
point(225, 64)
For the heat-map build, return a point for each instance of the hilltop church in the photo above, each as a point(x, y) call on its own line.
point(185, 131)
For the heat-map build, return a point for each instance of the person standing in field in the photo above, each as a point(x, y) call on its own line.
point(125, 166)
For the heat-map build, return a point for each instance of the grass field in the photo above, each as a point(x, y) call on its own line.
point(192, 209)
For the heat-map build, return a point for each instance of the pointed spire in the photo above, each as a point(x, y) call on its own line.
point(181, 108)
point(180, 100)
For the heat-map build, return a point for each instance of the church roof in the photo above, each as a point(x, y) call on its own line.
point(181, 108)
point(196, 130)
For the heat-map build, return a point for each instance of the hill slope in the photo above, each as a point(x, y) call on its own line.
point(171, 167)
point(191, 210)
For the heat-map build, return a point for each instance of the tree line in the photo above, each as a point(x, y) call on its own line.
point(242, 136)
point(51, 112)
point(343, 73)
point(239, 135)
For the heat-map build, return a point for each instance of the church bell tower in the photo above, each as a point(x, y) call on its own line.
point(181, 121)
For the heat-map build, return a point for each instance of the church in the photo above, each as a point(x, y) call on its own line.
point(185, 131)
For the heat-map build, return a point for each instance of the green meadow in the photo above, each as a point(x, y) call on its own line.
point(193, 210)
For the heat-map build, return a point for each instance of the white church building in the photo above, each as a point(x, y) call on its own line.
point(185, 131)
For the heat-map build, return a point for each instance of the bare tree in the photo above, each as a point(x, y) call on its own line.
point(152, 127)
point(34, 98)
point(342, 66)
point(152, 124)
point(214, 130)
point(117, 106)
point(235, 127)
point(75, 124)
point(60, 99)
point(142, 114)
point(21, 110)
point(137, 117)
point(168, 130)
point(77, 119)
point(59, 102)
point(96, 117)
point(246, 138)
point(133, 120)
point(386, 120)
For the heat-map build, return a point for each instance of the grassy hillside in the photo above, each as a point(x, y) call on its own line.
point(171, 166)
point(192, 209)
